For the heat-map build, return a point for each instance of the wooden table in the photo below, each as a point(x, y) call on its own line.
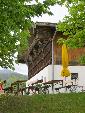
point(71, 87)
point(39, 81)
point(52, 83)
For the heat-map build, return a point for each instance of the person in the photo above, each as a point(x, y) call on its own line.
point(1, 86)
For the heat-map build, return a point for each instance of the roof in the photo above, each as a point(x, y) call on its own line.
point(45, 24)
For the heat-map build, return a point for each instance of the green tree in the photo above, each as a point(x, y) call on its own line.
point(73, 25)
point(15, 22)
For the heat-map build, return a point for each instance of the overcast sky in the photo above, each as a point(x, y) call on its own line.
point(59, 12)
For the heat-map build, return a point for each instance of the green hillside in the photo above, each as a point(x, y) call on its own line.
point(14, 78)
point(58, 103)
point(11, 76)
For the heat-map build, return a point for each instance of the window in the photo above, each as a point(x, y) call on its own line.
point(74, 76)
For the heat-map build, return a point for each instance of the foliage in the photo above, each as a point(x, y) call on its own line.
point(15, 22)
point(82, 60)
point(59, 103)
point(73, 25)
point(14, 78)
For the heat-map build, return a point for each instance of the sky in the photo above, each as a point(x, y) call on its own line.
point(59, 12)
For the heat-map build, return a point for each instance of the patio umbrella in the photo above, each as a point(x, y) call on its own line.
point(65, 71)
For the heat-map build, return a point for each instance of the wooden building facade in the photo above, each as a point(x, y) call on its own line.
point(43, 49)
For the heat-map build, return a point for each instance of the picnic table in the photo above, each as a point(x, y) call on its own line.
point(54, 82)
point(38, 81)
point(71, 87)
point(35, 87)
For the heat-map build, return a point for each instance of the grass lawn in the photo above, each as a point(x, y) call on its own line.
point(57, 103)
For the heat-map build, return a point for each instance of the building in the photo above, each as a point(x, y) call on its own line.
point(44, 55)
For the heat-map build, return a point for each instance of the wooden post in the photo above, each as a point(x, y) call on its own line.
point(52, 66)
point(53, 61)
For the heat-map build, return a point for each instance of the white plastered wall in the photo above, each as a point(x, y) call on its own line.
point(47, 73)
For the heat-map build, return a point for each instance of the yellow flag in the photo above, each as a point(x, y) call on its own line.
point(65, 71)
